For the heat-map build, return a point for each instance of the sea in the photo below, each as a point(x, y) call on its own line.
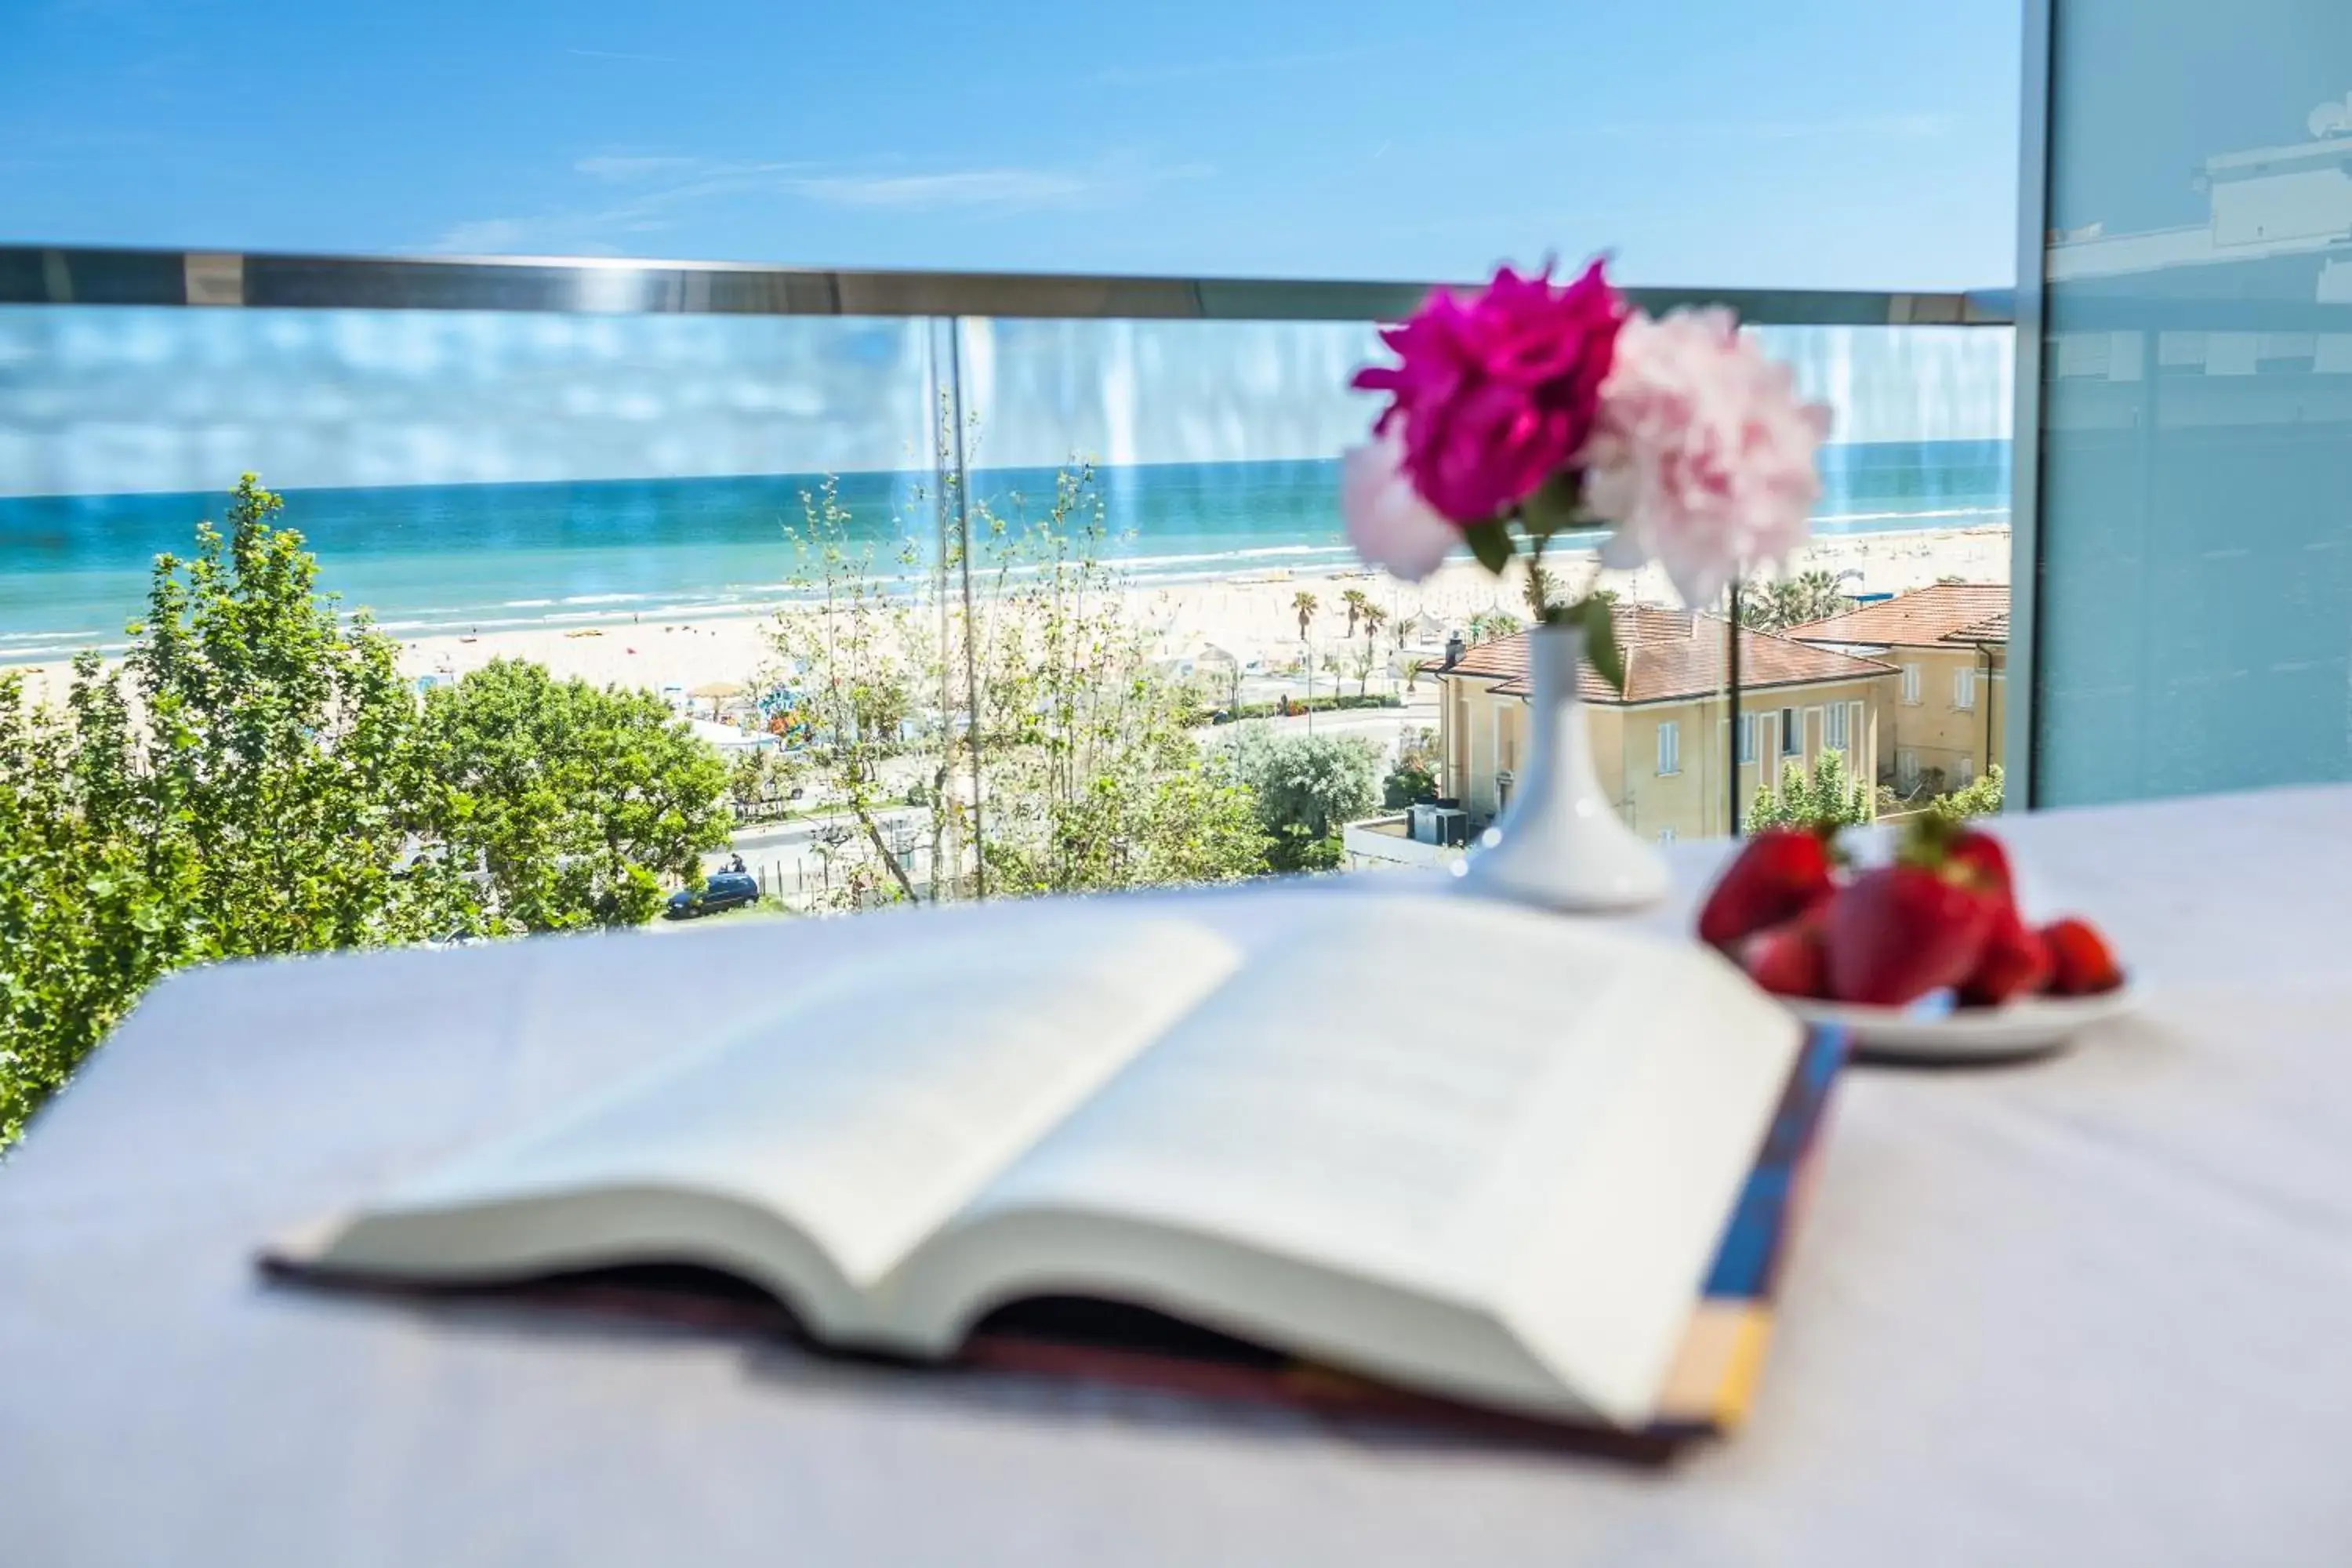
point(428, 559)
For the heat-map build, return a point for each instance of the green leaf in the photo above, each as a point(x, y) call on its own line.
point(1558, 503)
point(1600, 642)
point(1491, 543)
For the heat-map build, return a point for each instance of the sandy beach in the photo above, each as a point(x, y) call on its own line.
point(1248, 614)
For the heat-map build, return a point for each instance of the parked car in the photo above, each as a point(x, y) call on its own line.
point(721, 890)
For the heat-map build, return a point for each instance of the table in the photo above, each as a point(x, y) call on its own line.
point(2089, 1311)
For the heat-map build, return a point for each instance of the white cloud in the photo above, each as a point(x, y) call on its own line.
point(1912, 126)
point(618, 168)
point(656, 190)
point(1010, 187)
point(481, 237)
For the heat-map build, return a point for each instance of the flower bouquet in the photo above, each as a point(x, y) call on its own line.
point(1530, 409)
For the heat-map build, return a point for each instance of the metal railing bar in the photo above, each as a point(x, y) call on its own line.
point(38, 275)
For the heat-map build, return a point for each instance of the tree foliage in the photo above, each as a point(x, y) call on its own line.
point(1308, 787)
point(257, 778)
point(1488, 624)
point(1304, 604)
point(1785, 602)
point(1829, 795)
point(1050, 752)
point(574, 801)
point(1420, 766)
point(1979, 797)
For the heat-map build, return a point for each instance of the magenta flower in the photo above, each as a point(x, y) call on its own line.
point(1388, 522)
point(1704, 457)
point(1497, 391)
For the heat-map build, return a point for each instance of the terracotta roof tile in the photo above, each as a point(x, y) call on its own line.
point(1992, 628)
point(1671, 655)
point(1921, 618)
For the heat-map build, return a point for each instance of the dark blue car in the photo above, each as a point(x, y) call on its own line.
point(721, 890)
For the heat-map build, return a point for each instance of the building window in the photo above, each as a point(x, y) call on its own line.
point(1833, 727)
point(1964, 687)
point(1967, 770)
point(1747, 737)
point(1906, 768)
point(1670, 748)
point(1792, 733)
point(1911, 683)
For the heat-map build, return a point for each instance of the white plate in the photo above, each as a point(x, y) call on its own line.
point(1968, 1034)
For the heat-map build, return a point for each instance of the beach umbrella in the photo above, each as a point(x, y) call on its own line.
point(715, 693)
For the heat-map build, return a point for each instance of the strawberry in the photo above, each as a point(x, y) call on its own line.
point(1899, 931)
point(2081, 964)
point(1776, 874)
point(1977, 858)
point(2015, 963)
point(1788, 959)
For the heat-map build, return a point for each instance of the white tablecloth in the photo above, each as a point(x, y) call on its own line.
point(2092, 1310)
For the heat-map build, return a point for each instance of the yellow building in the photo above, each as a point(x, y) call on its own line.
point(1663, 747)
point(1950, 647)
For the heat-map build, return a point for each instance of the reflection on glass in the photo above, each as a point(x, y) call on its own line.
point(2197, 406)
point(612, 495)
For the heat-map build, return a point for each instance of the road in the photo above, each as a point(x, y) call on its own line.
point(789, 855)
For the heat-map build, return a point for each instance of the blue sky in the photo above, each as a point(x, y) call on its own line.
point(1812, 142)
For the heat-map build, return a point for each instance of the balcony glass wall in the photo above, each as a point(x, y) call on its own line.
point(2196, 401)
point(612, 495)
point(1215, 446)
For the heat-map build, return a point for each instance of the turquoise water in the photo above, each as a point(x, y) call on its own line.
point(438, 558)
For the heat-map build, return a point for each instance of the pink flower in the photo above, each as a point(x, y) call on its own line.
point(1498, 391)
point(1703, 455)
point(1388, 522)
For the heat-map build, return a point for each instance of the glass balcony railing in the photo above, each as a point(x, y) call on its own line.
point(954, 586)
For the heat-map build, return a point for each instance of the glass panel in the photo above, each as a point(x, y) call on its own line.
point(1209, 455)
point(2196, 551)
point(1848, 143)
point(516, 501)
point(1196, 624)
point(1887, 640)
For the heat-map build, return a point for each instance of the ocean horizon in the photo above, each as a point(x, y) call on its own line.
point(426, 560)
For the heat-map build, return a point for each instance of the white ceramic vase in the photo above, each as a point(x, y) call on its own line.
point(1560, 844)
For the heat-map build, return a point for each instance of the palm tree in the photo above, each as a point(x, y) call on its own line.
point(1357, 607)
point(1787, 602)
point(1304, 603)
point(1374, 619)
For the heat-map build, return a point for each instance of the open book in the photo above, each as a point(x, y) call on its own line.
point(1453, 1146)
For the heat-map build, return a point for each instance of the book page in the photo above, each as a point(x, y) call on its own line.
point(879, 1100)
point(1540, 1118)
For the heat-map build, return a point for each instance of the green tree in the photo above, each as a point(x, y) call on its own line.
point(760, 778)
point(1308, 787)
point(1488, 624)
point(1059, 757)
point(257, 778)
point(1785, 602)
point(1981, 797)
point(246, 783)
point(1829, 795)
point(90, 914)
point(1358, 604)
point(1419, 765)
point(574, 801)
point(864, 654)
point(1304, 604)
